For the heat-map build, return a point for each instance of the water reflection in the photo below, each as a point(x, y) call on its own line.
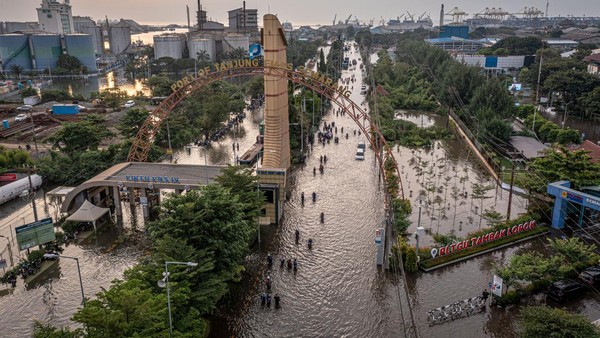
point(94, 84)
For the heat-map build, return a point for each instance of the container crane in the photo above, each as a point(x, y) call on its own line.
point(411, 16)
point(457, 15)
point(348, 20)
point(421, 16)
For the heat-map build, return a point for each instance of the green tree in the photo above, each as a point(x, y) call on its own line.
point(255, 87)
point(211, 219)
point(13, 158)
point(242, 182)
point(560, 164)
point(132, 121)
point(28, 91)
point(529, 267)
point(127, 309)
point(322, 65)
point(55, 95)
point(46, 330)
point(113, 97)
point(543, 321)
point(571, 84)
point(237, 53)
point(590, 102)
point(80, 136)
point(16, 70)
point(575, 253)
point(67, 64)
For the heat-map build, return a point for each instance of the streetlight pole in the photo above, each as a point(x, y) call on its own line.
point(566, 114)
point(32, 193)
point(165, 282)
point(78, 272)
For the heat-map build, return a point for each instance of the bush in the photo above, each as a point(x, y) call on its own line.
point(55, 95)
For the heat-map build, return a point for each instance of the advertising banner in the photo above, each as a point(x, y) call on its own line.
point(497, 286)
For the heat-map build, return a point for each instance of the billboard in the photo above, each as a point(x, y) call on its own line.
point(36, 233)
point(515, 87)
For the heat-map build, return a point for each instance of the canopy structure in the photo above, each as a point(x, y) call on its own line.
point(88, 213)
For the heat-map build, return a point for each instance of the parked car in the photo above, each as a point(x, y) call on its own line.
point(129, 104)
point(20, 117)
point(25, 108)
point(591, 275)
point(565, 289)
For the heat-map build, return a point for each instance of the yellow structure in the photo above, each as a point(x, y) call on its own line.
point(276, 157)
point(277, 138)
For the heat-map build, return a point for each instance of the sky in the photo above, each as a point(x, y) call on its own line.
point(298, 12)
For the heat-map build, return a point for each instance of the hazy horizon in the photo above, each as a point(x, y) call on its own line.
point(309, 12)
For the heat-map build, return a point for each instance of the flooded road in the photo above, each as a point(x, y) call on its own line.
point(338, 291)
point(57, 295)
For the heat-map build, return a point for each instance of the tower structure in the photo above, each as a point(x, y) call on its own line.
point(276, 158)
point(56, 17)
point(277, 138)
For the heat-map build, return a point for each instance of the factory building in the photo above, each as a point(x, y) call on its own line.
point(243, 20)
point(38, 52)
point(56, 17)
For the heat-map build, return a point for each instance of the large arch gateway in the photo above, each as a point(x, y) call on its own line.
point(239, 68)
point(276, 160)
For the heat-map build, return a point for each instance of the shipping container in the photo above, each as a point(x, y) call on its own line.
point(65, 109)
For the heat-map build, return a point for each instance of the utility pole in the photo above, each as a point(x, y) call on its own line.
point(510, 192)
point(32, 194)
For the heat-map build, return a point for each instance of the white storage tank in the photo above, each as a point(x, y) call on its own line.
point(169, 45)
point(197, 45)
point(232, 42)
point(119, 37)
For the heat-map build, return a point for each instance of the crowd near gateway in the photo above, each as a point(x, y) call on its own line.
point(490, 237)
point(248, 63)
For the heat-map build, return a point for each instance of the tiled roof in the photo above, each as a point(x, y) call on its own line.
point(592, 149)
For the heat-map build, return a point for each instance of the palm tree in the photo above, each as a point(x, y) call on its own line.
point(238, 53)
point(17, 70)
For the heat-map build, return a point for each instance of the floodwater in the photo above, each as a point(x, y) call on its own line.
point(95, 84)
point(591, 129)
point(56, 296)
point(338, 291)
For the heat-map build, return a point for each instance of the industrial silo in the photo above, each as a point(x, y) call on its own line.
point(81, 46)
point(197, 45)
point(46, 48)
point(232, 42)
point(96, 33)
point(14, 50)
point(119, 37)
point(169, 45)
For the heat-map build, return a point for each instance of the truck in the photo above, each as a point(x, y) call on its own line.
point(19, 188)
point(65, 109)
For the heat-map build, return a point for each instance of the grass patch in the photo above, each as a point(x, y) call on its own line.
point(427, 264)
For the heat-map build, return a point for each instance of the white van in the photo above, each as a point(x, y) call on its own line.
point(360, 154)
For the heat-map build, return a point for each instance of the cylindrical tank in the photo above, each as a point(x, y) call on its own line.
point(14, 50)
point(96, 33)
point(46, 50)
point(119, 37)
point(15, 189)
point(81, 46)
point(169, 45)
point(237, 41)
point(197, 45)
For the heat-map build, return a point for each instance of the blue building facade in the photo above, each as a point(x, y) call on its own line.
point(38, 52)
point(573, 206)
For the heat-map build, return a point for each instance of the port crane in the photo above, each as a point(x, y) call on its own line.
point(457, 15)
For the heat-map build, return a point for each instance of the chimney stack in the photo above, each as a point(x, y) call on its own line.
point(442, 16)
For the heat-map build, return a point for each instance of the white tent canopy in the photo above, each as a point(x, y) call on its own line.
point(88, 213)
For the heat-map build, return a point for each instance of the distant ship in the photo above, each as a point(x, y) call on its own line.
point(411, 24)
